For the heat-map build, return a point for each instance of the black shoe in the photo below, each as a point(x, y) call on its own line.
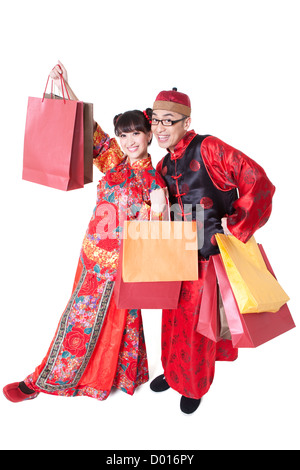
point(159, 384)
point(189, 405)
point(23, 387)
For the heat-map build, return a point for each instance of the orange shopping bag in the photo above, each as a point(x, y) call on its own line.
point(145, 295)
point(156, 251)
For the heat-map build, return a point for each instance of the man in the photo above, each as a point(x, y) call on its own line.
point(202, 170)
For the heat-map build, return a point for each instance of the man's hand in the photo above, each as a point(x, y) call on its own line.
point(224, 226)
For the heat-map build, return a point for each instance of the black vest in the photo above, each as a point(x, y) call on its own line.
point(194, 196)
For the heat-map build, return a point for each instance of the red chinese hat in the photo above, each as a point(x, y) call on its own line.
point(173, 100)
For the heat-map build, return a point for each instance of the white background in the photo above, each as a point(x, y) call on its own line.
point(239, 62)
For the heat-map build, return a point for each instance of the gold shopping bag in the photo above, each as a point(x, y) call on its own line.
point(159, 250)
point(255, 288)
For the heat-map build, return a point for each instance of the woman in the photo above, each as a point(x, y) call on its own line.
point(97, 346)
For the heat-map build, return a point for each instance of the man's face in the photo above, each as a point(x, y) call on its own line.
point(169, 136)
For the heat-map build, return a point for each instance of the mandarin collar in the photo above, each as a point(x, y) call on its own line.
point(141, 164)
point(182, 145)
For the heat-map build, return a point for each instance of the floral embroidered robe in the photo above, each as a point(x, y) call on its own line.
point(97, 346)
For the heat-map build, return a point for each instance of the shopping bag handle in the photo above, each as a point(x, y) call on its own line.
point(63, 85)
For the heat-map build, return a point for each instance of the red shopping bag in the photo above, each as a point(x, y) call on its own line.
point(212, 321)
point(208, 313)
point(88, 128)
point(252, 329)
point(54, 143)
point(146, 295)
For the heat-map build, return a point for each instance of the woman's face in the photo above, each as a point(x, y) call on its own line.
point(135, 144)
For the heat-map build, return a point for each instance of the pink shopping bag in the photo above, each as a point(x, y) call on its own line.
point(54, 143)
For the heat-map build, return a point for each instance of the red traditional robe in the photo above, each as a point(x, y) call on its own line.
point(188, 358)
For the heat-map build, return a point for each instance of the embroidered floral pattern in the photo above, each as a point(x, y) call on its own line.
point(132, 365)
point(75, 342)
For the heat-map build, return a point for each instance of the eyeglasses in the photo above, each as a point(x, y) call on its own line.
point(165, 122)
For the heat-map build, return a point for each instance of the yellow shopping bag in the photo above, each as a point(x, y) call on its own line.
point(255, 288)
point(155, 251)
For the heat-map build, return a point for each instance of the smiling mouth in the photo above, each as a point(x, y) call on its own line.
point(162, 138)
point(132, 149)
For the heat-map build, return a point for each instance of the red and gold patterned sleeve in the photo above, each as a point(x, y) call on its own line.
point(229, 168)
point(107, 153)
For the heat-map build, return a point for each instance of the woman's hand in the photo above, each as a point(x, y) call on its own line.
point(60, 71)
point(158, 197)
point(159, 204)
point(56, 73)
